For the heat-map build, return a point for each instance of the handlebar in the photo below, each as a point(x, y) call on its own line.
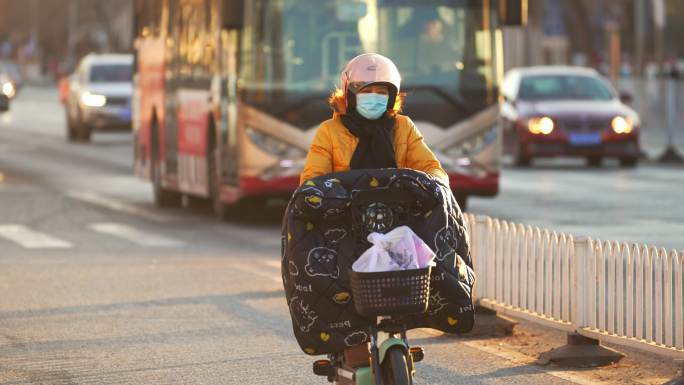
point(374, 200)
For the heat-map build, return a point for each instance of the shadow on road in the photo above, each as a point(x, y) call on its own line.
point(251, 212)
point(112, 140)
point(606, 167)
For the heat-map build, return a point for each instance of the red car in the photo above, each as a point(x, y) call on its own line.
point(567, 111)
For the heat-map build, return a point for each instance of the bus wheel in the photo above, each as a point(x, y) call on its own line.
point(162, 196)
point(221, 209)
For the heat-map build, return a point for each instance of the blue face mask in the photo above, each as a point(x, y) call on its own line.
point(371, 106)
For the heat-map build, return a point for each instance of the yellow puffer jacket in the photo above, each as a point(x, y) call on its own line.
point(333, 147)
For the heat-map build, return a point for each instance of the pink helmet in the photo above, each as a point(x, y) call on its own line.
point(370, 68)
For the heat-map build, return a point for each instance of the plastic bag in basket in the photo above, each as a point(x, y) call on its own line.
point(399, 249)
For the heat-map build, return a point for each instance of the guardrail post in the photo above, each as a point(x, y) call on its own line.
point(579, 281)
point(481, 255)
point(581, 351)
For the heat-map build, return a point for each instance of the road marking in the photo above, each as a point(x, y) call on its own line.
point(115, 205)
point(134, 235)
point(256, 236)
point(272, 263)
point(256, 271)
point(31, 239)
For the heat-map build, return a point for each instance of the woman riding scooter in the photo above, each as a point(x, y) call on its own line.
point(366, 131)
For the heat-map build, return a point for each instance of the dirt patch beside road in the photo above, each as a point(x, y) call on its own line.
point(528, 340)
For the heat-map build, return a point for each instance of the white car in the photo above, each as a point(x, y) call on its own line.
point(99, 95)
point(12, 80)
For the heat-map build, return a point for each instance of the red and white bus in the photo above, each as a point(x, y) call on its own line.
point(228, 93)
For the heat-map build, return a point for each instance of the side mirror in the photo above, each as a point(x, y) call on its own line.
point(513, 12)
point(626, 97)
point(233, 14)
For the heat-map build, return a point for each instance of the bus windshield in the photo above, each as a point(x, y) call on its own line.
point(294, 50)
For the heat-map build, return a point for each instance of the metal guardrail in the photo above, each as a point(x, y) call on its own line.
point(615, 292)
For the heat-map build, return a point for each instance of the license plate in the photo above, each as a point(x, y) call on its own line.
point(125, 114)
point(585, 139)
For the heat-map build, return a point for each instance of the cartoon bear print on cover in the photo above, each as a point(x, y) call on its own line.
point(322, 261)
point(445, 243)
point(320, 245)
point(437, 303)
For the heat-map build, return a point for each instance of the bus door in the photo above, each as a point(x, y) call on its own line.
point(227, 107)
point(171, 77)
point(188, 103)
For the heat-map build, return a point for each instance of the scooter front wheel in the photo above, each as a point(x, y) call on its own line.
point(395, 369)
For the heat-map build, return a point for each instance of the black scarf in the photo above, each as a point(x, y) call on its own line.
point(376, 141)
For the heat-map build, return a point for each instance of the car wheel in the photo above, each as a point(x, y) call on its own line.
point(71, 129)
point(523, 161)
point(82, 130)
point(85, 132)
point(162, 196)
point(629, 162)
point(519, 159)
point(594, 161)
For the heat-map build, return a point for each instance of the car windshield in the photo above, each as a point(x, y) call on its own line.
point(111, 73)
point(563, 87)
point(11, 69)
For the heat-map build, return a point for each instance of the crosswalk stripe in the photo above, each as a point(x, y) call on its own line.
point(31, 239)
point(134, 235)
point(272, 263)
point(275, 277)
point(115, 205)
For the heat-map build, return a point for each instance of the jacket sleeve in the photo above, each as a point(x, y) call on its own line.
point(319, 160)
point(419, 157)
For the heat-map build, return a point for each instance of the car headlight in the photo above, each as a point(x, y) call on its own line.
point(540, 125)
point(8, 89)
point(93, 100)
point(274, 146)
point(621, 125)
point(472, 145)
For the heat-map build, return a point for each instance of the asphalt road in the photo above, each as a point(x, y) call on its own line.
point(97, 286)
